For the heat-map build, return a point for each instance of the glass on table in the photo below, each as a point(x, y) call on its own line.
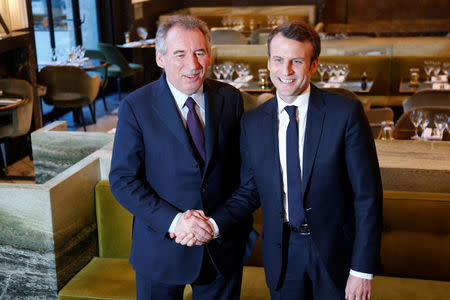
point(414, 76)
point(217, 70)
point(321, 68)
point(416, 119)
point(446, 69)
point(263, 76)
point(440, 120)
point(387, 130)
point(345, 70)
point(425, 120)
point(228, 70)
point(142, 32)
point(436, 68)
point(428, 68)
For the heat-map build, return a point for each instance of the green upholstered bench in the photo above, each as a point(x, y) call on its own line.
point(416, 242)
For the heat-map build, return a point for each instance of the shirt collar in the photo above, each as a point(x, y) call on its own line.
point(301, 101)
point(180, 97)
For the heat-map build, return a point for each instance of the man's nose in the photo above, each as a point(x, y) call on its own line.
point(192, 61)
point(287, 68)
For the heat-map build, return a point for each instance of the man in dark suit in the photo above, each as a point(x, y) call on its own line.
point(309, 160)
point(175, 156)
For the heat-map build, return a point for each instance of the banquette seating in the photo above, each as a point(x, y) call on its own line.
point(415, 243)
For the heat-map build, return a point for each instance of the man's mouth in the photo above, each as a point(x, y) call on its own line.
point(287, 81)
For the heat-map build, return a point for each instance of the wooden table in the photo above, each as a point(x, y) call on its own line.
point(9, 101)
point(407, 88)
point(87, 65)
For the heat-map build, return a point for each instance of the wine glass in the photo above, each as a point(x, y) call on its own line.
point(439, 121)
point(425, 121)
point(416, 119)
point(344, 71)
point(436, 68)
point(321, 68)
point(142, 33)
point(330, 71)
point(446, 69)
point(228, 69)
point(428, 67)
point(216, 70)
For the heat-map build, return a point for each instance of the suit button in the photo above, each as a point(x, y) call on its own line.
point(195, 165)
point(279, 245)
point(203, 190)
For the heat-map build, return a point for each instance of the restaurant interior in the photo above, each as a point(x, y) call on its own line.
point(65, 66)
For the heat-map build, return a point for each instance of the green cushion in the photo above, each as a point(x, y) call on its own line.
point(102, 278)
point(114, 224)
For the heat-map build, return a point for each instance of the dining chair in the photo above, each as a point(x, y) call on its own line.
point(225, 36)
point(70, 87)
point(102, 71)
point(428, 97)
point(119, 66)
point(16, 122)
point(260, 35)
point(349, 94)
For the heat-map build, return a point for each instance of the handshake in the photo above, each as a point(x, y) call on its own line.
point(193, 229)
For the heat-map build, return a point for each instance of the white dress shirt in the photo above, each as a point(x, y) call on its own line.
point(180, 100)
point(302, 103)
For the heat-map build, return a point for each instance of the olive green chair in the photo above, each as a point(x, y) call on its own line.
point(70, 87)
point(119, 66)
point(16, 121)
point(102, 71)
point(378, 115)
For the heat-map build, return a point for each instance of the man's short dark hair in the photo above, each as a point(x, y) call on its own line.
point(298, 31)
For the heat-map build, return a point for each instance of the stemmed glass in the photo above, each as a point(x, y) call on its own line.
point(228, 70)
point(217, 71)
point(344, 71)
point(330, 71)
point(416, 119)
point(242, 70)
point(428, 67)
point(440, 120)
point(446, 69)
point(425, 121)
point(142, 33)
point(321, 68)
point(436, 68)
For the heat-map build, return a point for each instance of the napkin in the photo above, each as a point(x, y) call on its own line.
point(339, 78)
point(431, 134)
point(440, 86)
point(440, 78)
point(331, 85)
point(244, 78)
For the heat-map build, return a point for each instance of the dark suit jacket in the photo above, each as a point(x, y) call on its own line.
point(341, 185)
point(154, 175)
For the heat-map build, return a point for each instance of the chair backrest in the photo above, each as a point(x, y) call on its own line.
point(114, 224)
point(115, 57)
point(427, 98)
point(103, 71)
point(21, 116)
point(69, 79)
point(342, 92)
point(260, 35)
point(227, 36)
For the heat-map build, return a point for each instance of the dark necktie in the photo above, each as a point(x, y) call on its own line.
point(195, 128)
point(295, 203)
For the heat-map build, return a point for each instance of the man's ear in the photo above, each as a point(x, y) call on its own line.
point(313, 66)
point(159, 60)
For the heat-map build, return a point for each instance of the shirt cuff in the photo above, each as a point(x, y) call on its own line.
point(361, 275)
point(174, 223)
point(216, 228)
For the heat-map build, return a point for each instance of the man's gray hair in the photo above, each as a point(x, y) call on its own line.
point(185, 21)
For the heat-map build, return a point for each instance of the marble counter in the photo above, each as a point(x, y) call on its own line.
point(414, 165)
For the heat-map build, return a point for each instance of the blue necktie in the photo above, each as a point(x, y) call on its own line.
point(195, 128)
point(295, 202)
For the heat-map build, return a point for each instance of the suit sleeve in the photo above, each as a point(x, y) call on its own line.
point(127, 176)
point(244, 200)
point(364, 173)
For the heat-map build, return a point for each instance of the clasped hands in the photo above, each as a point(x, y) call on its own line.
point(193, 228)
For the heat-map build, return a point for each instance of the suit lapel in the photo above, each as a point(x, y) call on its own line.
point(313, 133)
point(213, 112)
point(165, 107)
point(269, 130)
